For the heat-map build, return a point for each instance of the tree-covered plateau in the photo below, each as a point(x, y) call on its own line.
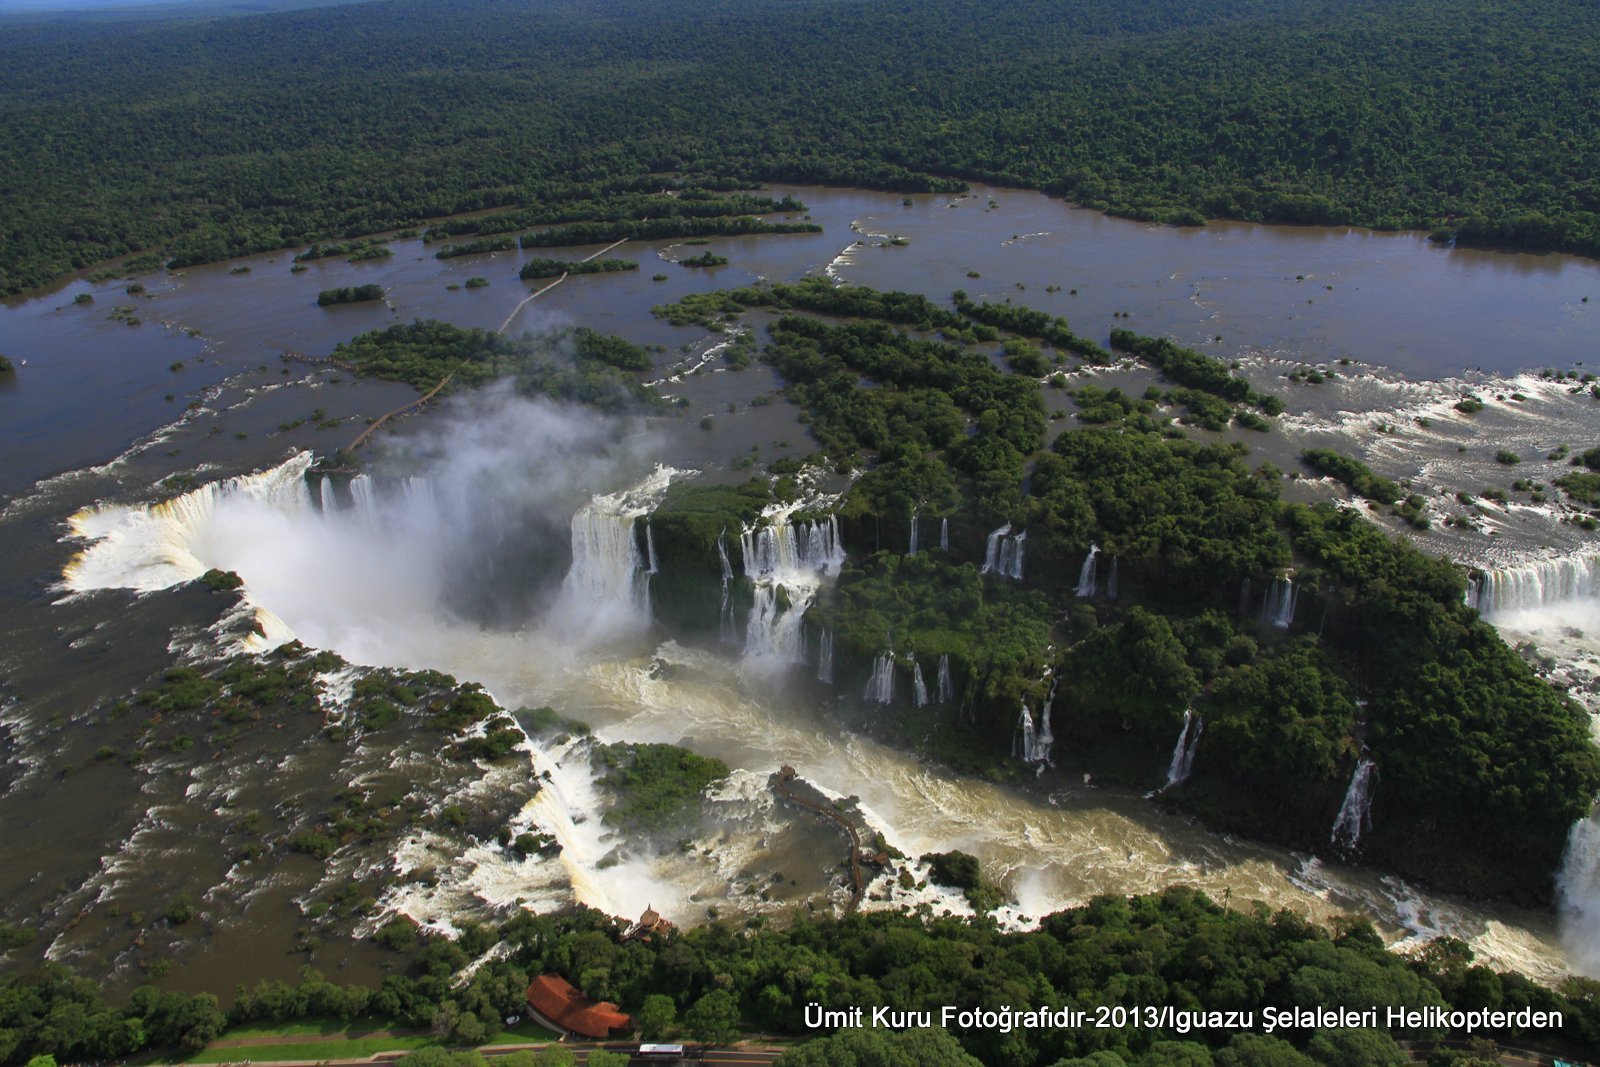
point(1469, 117)
point(1483, 767)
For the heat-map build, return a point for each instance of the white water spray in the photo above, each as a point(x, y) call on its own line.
point(1355, 814)
point(919, 688)
point(1003, 553)
point(1278, 606)
point(912, 551)
point(1578, 895)
point(1182, 764)
point(946, 690)
point(880, 686)
point(825, 657)
point(1086, 572)
point(944, 534)
point(787, 563)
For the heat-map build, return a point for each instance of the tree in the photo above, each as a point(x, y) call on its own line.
point(555, 1056)
point(877, 1048)
point(602, 1058)
point(714, 1017)
point(656, 1014)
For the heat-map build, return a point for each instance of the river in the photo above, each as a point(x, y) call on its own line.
point(94, 426)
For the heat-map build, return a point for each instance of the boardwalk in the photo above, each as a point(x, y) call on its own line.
point(803, 794)
point(534, 295)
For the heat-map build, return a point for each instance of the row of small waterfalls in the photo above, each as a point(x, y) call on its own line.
point(787, 562)
point(1535, 584)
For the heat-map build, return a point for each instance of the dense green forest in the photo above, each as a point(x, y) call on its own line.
point(1177, 948)
point(1484, 767)
point(209, 138)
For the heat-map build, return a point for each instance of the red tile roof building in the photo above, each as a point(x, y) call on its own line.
point(562, 1007)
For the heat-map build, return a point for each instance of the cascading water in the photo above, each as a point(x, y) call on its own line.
point(1277, 607)
point(786, 562)
point(1355, 814)
point(725, 612)
point(1032, 745)
point(1086, 572)
point(1182, 764)
point(1046, 740)
point(330, 503)
point(946, 690)
point(361, 496)
point(650, 549)
point(919, 688)
point(1578, 895)
point(608, 570)
point(912, 551)
point(825, 657)
point(880, 687)
point(944, 535)
point(1003, 553)
point(991, 549)
point(1539, 584)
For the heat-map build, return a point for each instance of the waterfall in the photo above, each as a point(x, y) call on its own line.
point(786, 562)
point(650, 547)
point(1565, 581)
point(610, 576)
point(330, 504)
point(1086, 572)
point(419, 493)
point(725, 612)
point(1011, 556)
point(1003, 553)
point(825, 657)
point(1033, 746)
point(1047, 737)
point(1355, 814)
point(947, 691)
point(1111, 580)
point(880, 687)
point(1183, 752)
point(912, 551)
point(919, 688)
point(944, 534)
point(1578, 895)
point(991, 549)
point(1026, 745)
point(361, 496)
point(606, 564)
point(1277, 607)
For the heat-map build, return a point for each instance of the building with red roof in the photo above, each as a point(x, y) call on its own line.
point(557, 1005)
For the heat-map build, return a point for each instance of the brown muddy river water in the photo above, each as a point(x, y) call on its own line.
point(100, 415)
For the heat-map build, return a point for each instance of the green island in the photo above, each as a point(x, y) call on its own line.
point(554, 268)
point(350, 294)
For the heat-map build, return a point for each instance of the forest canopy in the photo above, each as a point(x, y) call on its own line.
point(1469, 117)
